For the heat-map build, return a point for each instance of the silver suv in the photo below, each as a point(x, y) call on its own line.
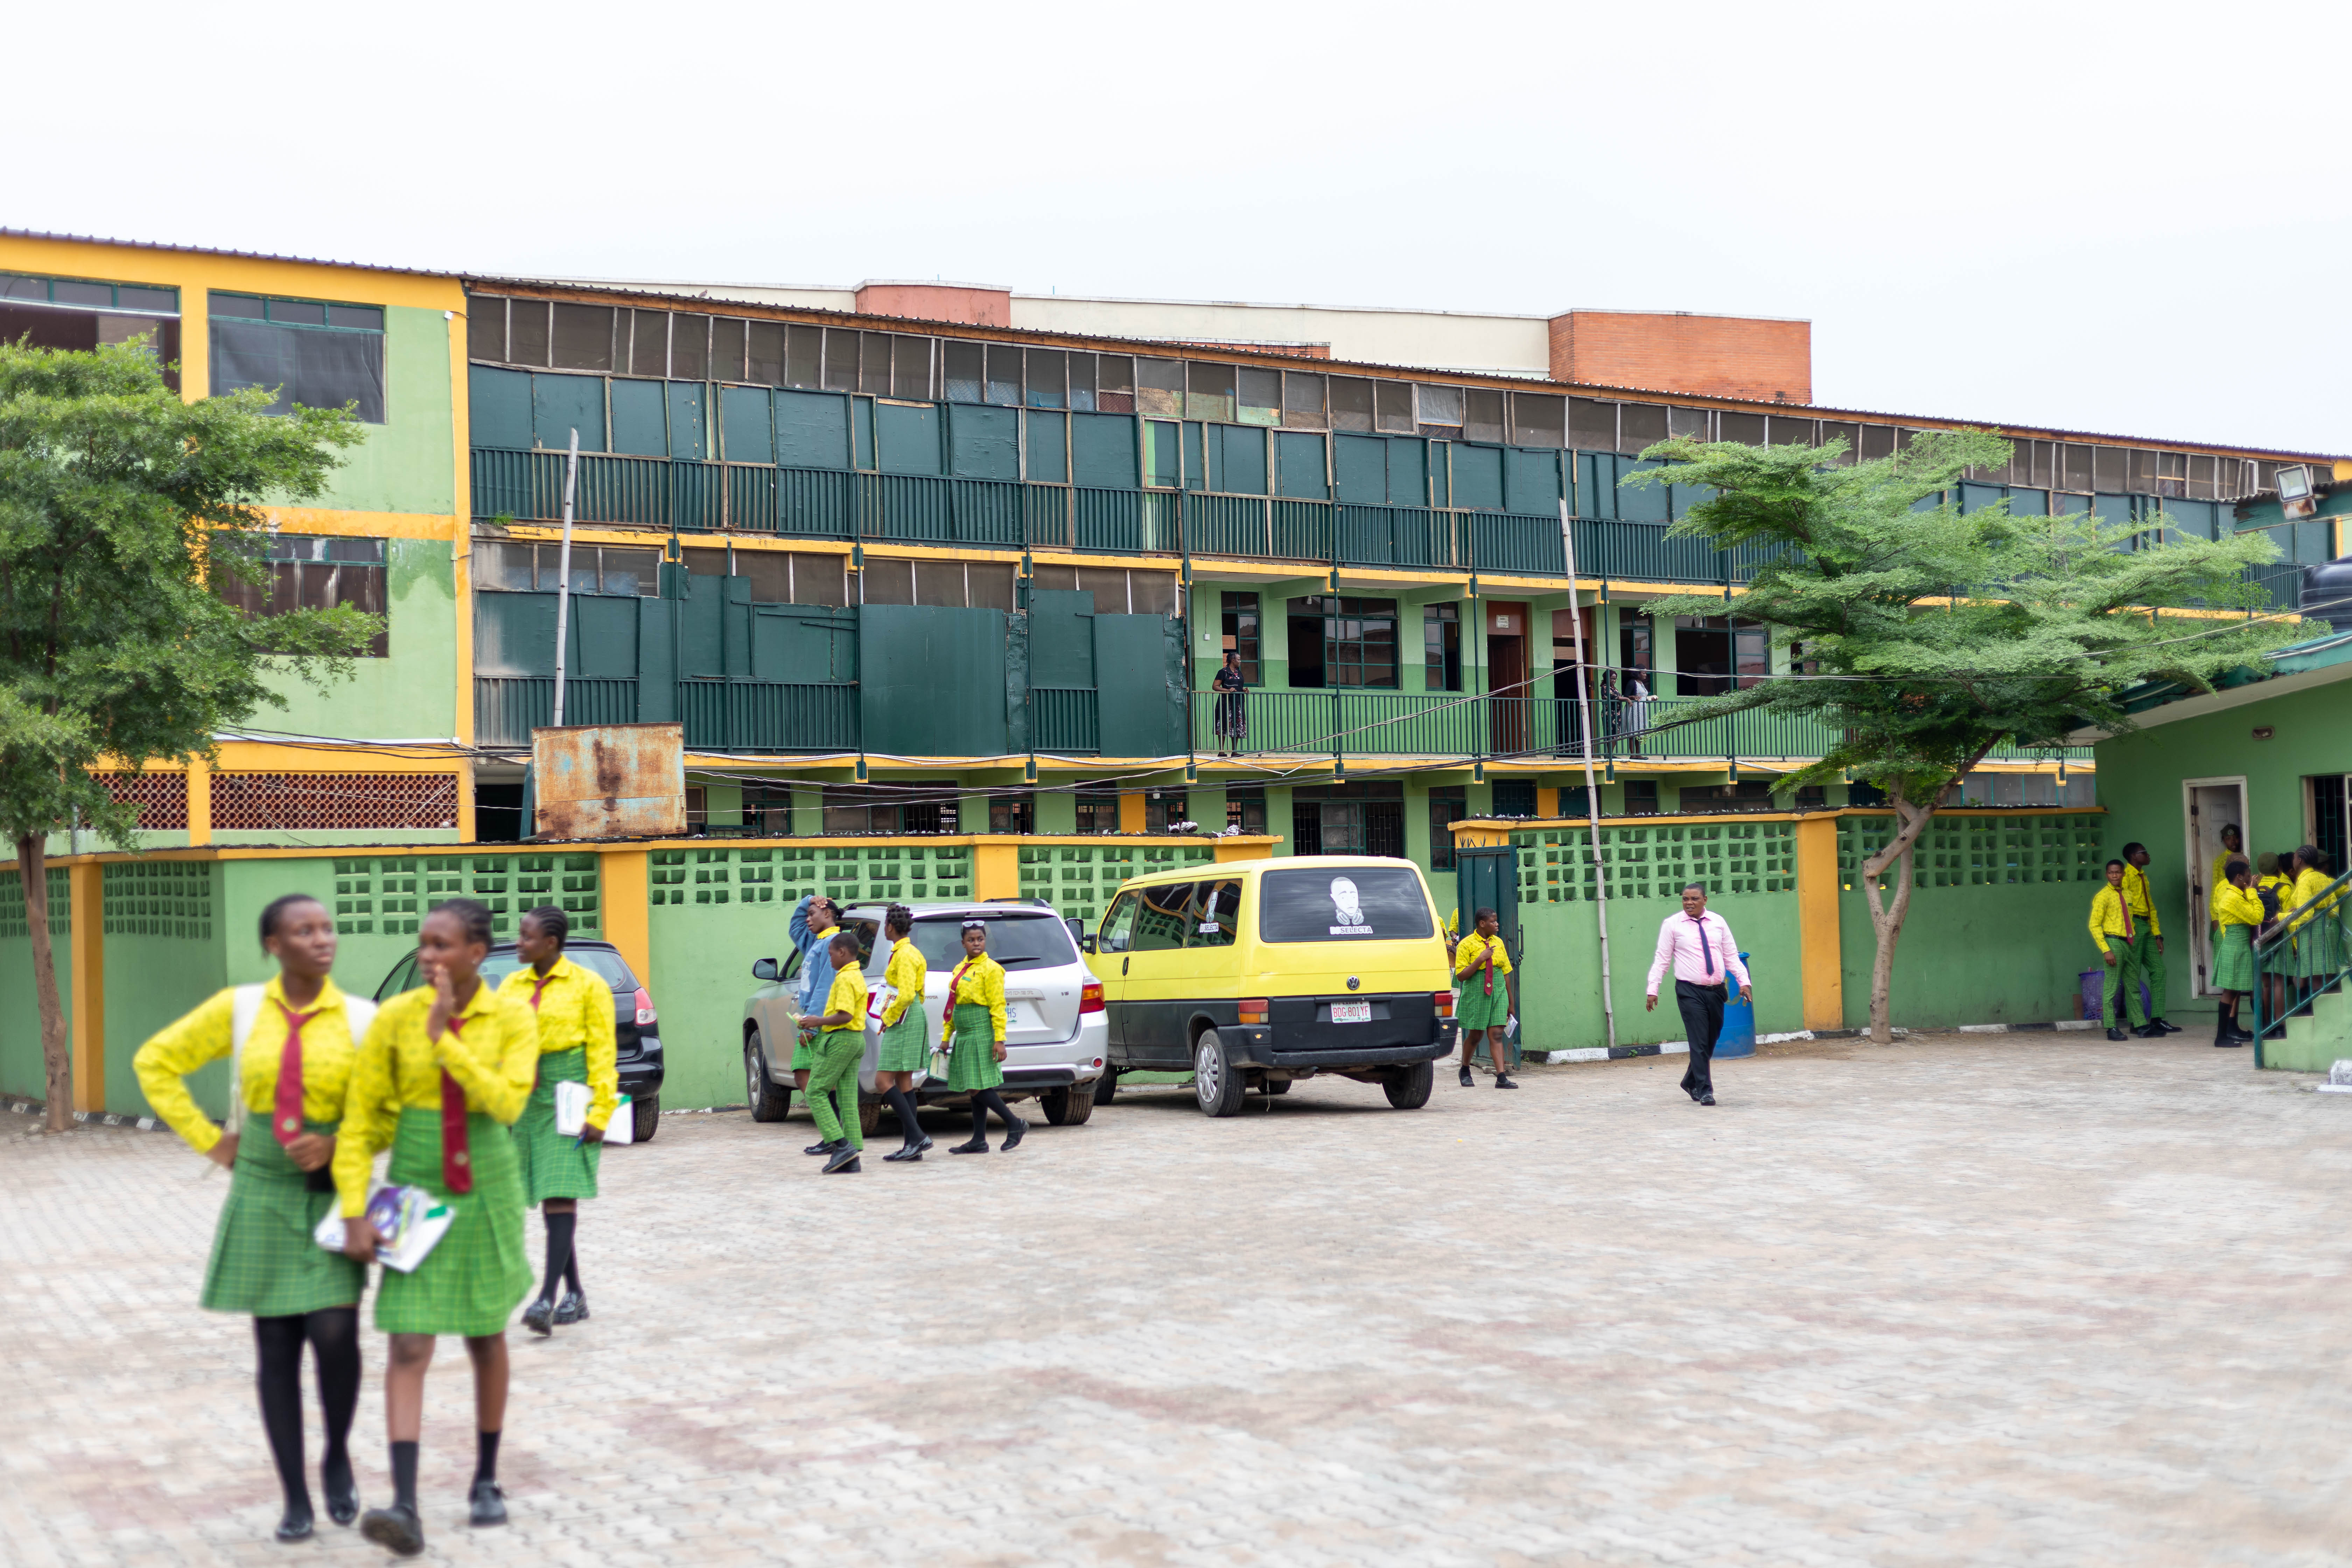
point(1056, 1038)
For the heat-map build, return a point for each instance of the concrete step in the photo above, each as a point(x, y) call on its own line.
point(2315, 1039)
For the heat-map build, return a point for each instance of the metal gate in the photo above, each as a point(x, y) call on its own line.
point(1489, 877)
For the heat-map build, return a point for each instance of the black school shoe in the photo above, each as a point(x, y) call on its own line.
point(487, 1505)
point(573, 1309)
point(295, 1525)
point(972, 1146)
point(1706, 1099)
point(825, 1148)
point(342, 1490)
point(2161, 1025)
point(844, 1162)
point(1468, 1083)
point(395, 1529)
point(2117, 1034)
point(912, 1152)
point(539, 1316)
point(1020, 1131)
point(1503, 1080)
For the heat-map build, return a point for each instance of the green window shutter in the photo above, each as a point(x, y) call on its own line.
point(1102, 451)
point(1241, 467)
point(1408, 471)
point(1477, 478)
point(861, 433)
point(1440, 474)
point(514, 634)
point(1360, 465)
point(1530, 481)
point(748, 423)
point(1646, 503)
point(932, 679)
point(561, 404)
point(686, 421)
point(499, 408)
point(811, 430)
point(1049, 448)
point(1159, 458)
point(1299, 466)
point(906, 437)
point(1132, 687)
point(1061, 638)
point(639, 426)
point(1196, 460)
point(604, 637)
point(983, 442)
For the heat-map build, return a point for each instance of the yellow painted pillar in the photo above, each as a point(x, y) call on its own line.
point(200, 803)
point(1130, 812)
point(465, 801)
point(1547, 802)
point(627, 924)
point(996, 870)
point(1817, 924)
point(87, 946)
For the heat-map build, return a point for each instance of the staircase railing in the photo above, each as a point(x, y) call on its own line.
point(2307, 954)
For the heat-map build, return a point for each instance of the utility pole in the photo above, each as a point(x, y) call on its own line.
point(563, 572)
point(1591, 789)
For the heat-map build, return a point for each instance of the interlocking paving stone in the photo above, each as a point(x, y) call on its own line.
point(1983, 1299)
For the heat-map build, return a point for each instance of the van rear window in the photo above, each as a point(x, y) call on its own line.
point(1358, 903)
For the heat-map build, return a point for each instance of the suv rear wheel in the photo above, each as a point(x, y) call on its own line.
point(768, 1102)
point(1068, 1106)
point(1408, 1088)
point(645, 1117)
point(1106, 1086)
point(1220, 1089)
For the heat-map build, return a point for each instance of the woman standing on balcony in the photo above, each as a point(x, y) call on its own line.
point(577, 1044)
point(1232, 719)
point(292, 1044)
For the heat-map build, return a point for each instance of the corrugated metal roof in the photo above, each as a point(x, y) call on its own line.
point(214, 250)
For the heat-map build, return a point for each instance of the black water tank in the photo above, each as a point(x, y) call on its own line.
point(2327, 592)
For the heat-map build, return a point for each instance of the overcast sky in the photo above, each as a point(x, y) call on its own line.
point(2122, 218)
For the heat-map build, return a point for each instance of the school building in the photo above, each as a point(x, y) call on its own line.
point(938, 564)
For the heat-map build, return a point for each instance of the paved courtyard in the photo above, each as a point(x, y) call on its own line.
point(1965, 1299)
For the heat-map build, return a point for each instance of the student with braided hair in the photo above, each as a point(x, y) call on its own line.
point(577, 1044)
point(906, 1045)
point(443, 1071)
point(973, 1030)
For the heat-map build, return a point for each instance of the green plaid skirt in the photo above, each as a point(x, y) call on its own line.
point(1477, 1010)
point(475, 1277)
point(264, 1261)
point(906, 1044)
point(555, 1164)
point(972, 1063)
point(2314, 952)
point(2233, 961)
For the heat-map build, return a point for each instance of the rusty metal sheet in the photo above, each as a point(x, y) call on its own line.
point(608, 781)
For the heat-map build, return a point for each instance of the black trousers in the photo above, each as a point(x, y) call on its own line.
point(1702, 1010)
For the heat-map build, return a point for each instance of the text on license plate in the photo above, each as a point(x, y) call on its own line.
point(1352, 1012)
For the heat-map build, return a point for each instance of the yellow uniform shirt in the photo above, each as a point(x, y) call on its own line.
point(205, 1035)
point(493, 1055)
point(2217, 881)
point(1472, 954)
point(2107, 916)
point(906, 973)
point(575, 1013)
point(847, 995)
point(979, 983)
point(2232, 907)
point(2143, 907)
point(2308, 886)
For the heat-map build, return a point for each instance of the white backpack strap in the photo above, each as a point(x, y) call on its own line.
point(245, 1006)
point(361, 1013)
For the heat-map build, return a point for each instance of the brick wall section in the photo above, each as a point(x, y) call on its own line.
point(938, 302)
point(1722, 356)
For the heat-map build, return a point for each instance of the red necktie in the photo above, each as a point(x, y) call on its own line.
point(538, 986)
point(286, 1119)
point(456, 1154)
point(1490, 969)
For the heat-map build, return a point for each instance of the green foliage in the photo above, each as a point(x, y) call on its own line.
point(119, 502)
point(1935, 635)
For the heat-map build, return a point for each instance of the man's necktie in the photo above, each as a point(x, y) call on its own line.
point(286, 1117)
point(456, 1153)
point(1707, 951)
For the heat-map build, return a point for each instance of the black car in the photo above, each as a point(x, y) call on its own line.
point(633, 1018)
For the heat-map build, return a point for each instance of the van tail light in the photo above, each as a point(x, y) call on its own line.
point(1090, 997)
point(1444, 1000)
point(645, 1008)
point(1254, 1009)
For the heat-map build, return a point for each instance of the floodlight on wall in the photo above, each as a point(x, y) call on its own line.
point(2296, 493)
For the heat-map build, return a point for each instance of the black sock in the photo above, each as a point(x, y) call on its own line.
point(572, 1267)
point(984, 1101)
point(904, 1104)
point(403, 1476)
point(559, 1248)
point(278, 1342)
point(485, 1456)
point(335, 1335)
point(979, 1120)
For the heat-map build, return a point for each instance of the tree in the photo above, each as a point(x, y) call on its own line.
point(119, 504)
point(1929, 638)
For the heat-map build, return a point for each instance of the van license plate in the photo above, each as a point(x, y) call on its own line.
point(1352, 1012)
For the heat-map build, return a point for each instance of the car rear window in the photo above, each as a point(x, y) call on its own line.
point(1354, 903)
point(1016, 941)
point(595, 960)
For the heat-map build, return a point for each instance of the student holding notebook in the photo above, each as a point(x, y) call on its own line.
point(443, 1073)
point(292, 1044)
point(573, 1009)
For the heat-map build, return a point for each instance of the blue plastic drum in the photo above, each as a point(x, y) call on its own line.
point(1738, 1037)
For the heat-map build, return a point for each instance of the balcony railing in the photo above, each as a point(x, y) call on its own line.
point(720, 715)
point(506, 709)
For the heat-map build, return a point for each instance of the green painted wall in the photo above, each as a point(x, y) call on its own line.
point(164, 955)
point(2141, 775)
point(408, 463)
point(411, 695)
point(1561, 968)
point(20, 1015)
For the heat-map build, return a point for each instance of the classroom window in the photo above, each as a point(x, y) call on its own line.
point(1448, 804)
point(1342, 642)
point(525, 568)
point(317, 355)
point(1245, 810)
point(1013, 813)
point(1098, 812)
point(1162, 809)
point(72, 313)
point(1641, 797)
point(312, 571)
point(1482, 416)
point(1441, 638)
point(1239, 614)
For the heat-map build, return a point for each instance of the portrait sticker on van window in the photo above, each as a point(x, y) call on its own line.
point(1364, 903)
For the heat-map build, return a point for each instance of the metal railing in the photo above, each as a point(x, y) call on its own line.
point(767, 716)
point(1064, 719)
point(2303, 961)
point(506, 709)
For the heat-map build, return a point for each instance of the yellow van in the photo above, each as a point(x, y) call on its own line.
point(1254, 973)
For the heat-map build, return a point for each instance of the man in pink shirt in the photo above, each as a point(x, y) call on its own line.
point(1699, 947)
